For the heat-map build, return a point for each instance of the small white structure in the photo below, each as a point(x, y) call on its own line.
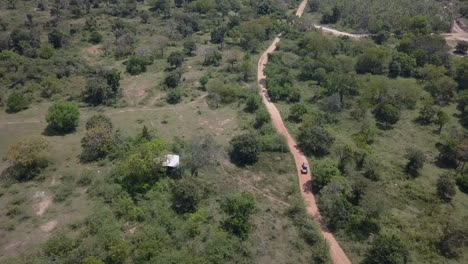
point(171, 161)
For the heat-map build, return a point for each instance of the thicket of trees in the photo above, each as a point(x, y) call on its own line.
point(358, 92)
point(378, 16)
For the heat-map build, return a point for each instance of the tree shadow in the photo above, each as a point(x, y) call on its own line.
point(50, 132)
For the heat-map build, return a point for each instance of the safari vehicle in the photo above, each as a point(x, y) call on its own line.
point(304, 169)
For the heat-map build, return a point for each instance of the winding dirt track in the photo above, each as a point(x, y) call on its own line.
point(337, 254)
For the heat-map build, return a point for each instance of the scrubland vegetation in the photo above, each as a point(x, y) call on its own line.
point(383, 121)
point(95, 93)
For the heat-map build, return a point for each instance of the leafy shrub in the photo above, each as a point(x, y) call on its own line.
point(239, 208)
point(27, 158)
point(387, 249)
point(273, 143)
point(446, 187)
point(244, 149)
point(63, 116)
point(252, 103)
point(387, 114)
point(462, 182)
point(415, 163)
point(314, 139)
point(174, 96)
point(16, 102)
point(322, 172)
point(95, 37)
point(186, 195)
point(137, 64)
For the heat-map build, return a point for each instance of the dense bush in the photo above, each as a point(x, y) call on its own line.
point(63, 117)
point(387, 114)
point(322, 173)
point(446, 187)
point(27, 158)
point(387, 249)
point(16, 102)
point(137, 64)
point(415, 163)
point(314, 139)
point(98, 140)
point(238, 209)
point(244, 149)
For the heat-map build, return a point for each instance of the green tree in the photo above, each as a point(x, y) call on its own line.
point(63, 117)
point(462, 47)
point(175, 59)
point(415, 163)
point(174, 96)
point(16, 102)
point(446, 187)
point(373, 60)
point(334, 205)
point(314, 139)
point(98, 140)
point(322, 173)
point(137, 65)
point(262, 117)
point(462, 182)
point(239, 208)
point(95, 37)
point(27, 158)
point(212, 57)
point(441, 119)
point(113, 80)
point(297, 112)
point(461, 74)
point(57, 38)
point(442, 89)
point(387, 249)
point(244, 149)
point(217, 35)
point(172, 79)
point(427, 115)
point(387, 114)
point(186, 196)
point(97, 92)
point(189, 47)
point(50, 86)
point(342, 84)
point(203, 152)
point(252, 103)
point(92, 260)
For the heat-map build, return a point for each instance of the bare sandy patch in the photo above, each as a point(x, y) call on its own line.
point(45, 201)
point(49, 226)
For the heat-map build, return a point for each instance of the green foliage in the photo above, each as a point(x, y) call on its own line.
point(322, 173)
point(374, 61)
point(297, 112)
point(334, 206)
point(244, 149)
point(172, 79)
point(92, 260)
point(57, 38)
point(98, 140)
point(174, 96)
point(252, 103)
point(63, 117)
point(462, 47)
point(46, 51)
point(446, 187)
point(462, 182)
point(387, 249)
point(141, 168)
point(175, 59)
point(342, 84)
point(415, 163)
point(461, 74)
point(395, 15)
point(442, 89)
point(95, 37)
point(16, 102)
point(387, 114)
point(137, 64)
point(261, 118)
point(273, 143)
point(189, 47)
point(26, 158)
point(314, 138)
point(239, 208)
point(212, 57)
point(186, 196)
point(50, 86)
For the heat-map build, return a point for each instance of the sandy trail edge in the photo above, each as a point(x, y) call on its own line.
point(337, 254)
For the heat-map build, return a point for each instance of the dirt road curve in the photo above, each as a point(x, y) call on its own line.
point(337, 254)
point(457, 33)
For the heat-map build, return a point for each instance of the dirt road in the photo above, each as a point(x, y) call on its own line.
point(337, 254)
point(457, 33)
